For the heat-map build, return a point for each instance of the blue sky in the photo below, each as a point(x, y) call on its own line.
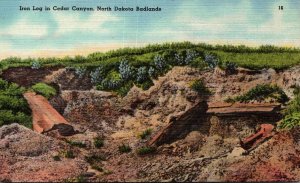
point(250, 22)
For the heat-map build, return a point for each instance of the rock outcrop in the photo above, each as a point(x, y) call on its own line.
point(28, 156)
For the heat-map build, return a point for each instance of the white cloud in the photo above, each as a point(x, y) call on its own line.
point(69, 22)
point(26, 27)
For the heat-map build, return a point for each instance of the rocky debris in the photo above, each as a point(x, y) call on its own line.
point(28, 156)
point(220, 159)
point(45, 117)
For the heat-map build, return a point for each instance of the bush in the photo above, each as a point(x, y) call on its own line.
point(142, 75)
point(13, 107)
point(290, 121)
point(146, 150)
point(293, 106)
point(98, 75)
point(44, 90)
point(56, 158)
point(190, 56)
point(69, 154)
point(211, 60)
point(126, 71)
point(145, 133)
point(198, 63)
point(262, 92)
point(36, 65)
point(199, 87)
point(152, 73)
point(77, 144)
point(98, 142)
point(92, 159)
point(80, 72)
point(124, 148)
point(160, 63)
point(230, 67)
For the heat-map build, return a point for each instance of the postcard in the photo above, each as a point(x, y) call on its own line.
point(149, 90)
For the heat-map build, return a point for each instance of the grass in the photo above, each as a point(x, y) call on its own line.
point(199, 87)
point(56, 158)
point(94, 158)
point(98, 142)
point(76, 143)
point(98, 168)
point(68, 154)
point(44, 90)
point(124, 148)
point(146, 150)
point(290, 121)
point(145, 133)
point(261, 93)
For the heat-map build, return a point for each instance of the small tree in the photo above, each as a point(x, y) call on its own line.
point(98, 75)
point(36, 65)
point(160, 63)
point(126, 71)
point(211, 60)
point(80, 72)
point(142, 74)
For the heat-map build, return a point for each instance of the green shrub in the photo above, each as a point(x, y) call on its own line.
point(145, 133)
point(290, 121)
point(98, 168)
point(124, 148)
point(56, 158)
point(76, 143)
point(262, 92)
point(98, 142)
point(68, 154)
point(44, 90)
point(199, 87)
point(146, 150)
point(13, 106)
point(92, 159)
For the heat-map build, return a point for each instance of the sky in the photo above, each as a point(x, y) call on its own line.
point(47, 33)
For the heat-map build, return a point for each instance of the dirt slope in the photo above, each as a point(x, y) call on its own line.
point(28, 156)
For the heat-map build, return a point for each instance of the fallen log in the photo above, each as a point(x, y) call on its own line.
point(45, 118)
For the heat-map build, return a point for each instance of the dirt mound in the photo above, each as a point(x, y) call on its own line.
point(26, 76)
point(28, 156)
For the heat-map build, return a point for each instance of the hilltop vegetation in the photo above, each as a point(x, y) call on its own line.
point(119, 70)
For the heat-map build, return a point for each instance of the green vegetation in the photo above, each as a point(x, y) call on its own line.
point(199, 87)
point(13, 107)
point(98, 168)
point(76, 143)
point(79, 178)
point(261, 93)
point(145, 133)
point(292, 112)
point(44, 89)
point(146, 150)
point(118, 70)
point(68, 154)
point(124, 148)
point(94, 158)
point(290, 121)
point(98, 142)
point(56, 158)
